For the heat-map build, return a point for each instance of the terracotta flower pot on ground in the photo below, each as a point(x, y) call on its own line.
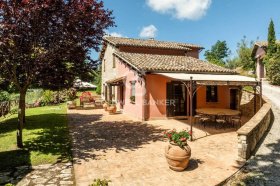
point(105, 106)
point(112, 109)
point(177, 157)
point(71, 104)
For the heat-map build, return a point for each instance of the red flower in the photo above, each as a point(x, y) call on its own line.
point(183, 139)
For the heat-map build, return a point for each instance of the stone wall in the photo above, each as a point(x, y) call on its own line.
point(247, 103)
point(251, 132)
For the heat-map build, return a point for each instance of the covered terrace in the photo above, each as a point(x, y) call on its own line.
point(195, 82)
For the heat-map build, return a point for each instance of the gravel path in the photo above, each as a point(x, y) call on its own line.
point(263, 168)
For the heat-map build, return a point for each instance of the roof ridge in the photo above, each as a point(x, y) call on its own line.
point(170, 63)
point(138, 42)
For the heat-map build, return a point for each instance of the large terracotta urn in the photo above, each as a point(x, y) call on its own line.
point(112, 109)
point(177, 157)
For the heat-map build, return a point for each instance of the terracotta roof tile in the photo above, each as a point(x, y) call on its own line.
point(119, 41)
point(170, 63)
point(264, 43)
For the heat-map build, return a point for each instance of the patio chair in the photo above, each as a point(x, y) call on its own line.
point(236, 120)
point(221, 119)
point(197, 118)
point(205, 119)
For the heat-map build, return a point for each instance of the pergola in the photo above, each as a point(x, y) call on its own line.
point(191, 80)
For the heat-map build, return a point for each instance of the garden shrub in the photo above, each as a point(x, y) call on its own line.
point(71, 94)
point(33, 95)
point(99, 182)
point(4, 96)
point(48, 97)
point(273, 70)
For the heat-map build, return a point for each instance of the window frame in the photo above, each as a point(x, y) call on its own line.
point(213, 94)
point(132, 91)
point(114, 61)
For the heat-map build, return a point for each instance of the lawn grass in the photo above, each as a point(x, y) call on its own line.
point(45, 137)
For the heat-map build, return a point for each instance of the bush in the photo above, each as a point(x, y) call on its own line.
point(48, 97)
point(71, 94)
point(33, 95)
point(273, 69)
point(99, 182)
point(4, 96)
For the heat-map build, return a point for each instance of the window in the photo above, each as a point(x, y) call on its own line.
point(114, 62)
point(211, 94)
point(132, 91)
point(104, 65)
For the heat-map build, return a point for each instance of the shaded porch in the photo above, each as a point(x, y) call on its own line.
point(198, 100)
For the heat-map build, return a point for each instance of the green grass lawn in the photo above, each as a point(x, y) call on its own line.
point(45, 137)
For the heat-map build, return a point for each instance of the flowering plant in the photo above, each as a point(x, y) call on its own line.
point(180, 138)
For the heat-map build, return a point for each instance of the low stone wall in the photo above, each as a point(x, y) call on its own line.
point(251, 132)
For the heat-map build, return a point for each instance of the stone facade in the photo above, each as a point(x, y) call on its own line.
point(108, 70)
point(251, 132)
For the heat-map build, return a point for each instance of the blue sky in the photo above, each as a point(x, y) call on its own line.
point(196, 21)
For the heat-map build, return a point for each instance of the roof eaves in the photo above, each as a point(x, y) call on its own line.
point(128, 62)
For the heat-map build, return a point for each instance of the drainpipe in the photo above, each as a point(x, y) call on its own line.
point(144, 91)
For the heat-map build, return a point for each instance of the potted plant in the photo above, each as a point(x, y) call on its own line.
point(105, 105)
point(112, 108)
point(177, 152)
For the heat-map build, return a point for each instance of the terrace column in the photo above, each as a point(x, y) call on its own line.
point(191, 106)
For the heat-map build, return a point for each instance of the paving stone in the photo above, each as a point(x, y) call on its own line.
point(23, 167)
point(5, 179)
point(40, 180)
point(63, 175)
point(41, 167)
point(66, 171)
point(23, 182)
point(66, 182)
point(35, 176)
point(5, 173)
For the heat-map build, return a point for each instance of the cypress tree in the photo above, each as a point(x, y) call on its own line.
point(271, 38)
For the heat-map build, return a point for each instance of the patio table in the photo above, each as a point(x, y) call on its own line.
point(217, 111)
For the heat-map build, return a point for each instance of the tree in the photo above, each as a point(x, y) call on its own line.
point(271, 39)
point(97, 80)
point(244, 51)
point(219, 51)
point(273, 69)
point(48, 41)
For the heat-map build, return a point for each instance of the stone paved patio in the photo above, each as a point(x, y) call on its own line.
point(130, 152)
point(46, 174)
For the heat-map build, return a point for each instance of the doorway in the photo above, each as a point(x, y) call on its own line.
point(176, 99)
point(234, 99)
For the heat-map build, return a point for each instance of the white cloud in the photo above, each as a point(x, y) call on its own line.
point(148, 32)
point(115, 34)
point(181, 9)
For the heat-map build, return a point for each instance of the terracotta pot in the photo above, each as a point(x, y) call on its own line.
point(177, 157)
point(71, 104)
point(112, 109)
point(105, 106)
